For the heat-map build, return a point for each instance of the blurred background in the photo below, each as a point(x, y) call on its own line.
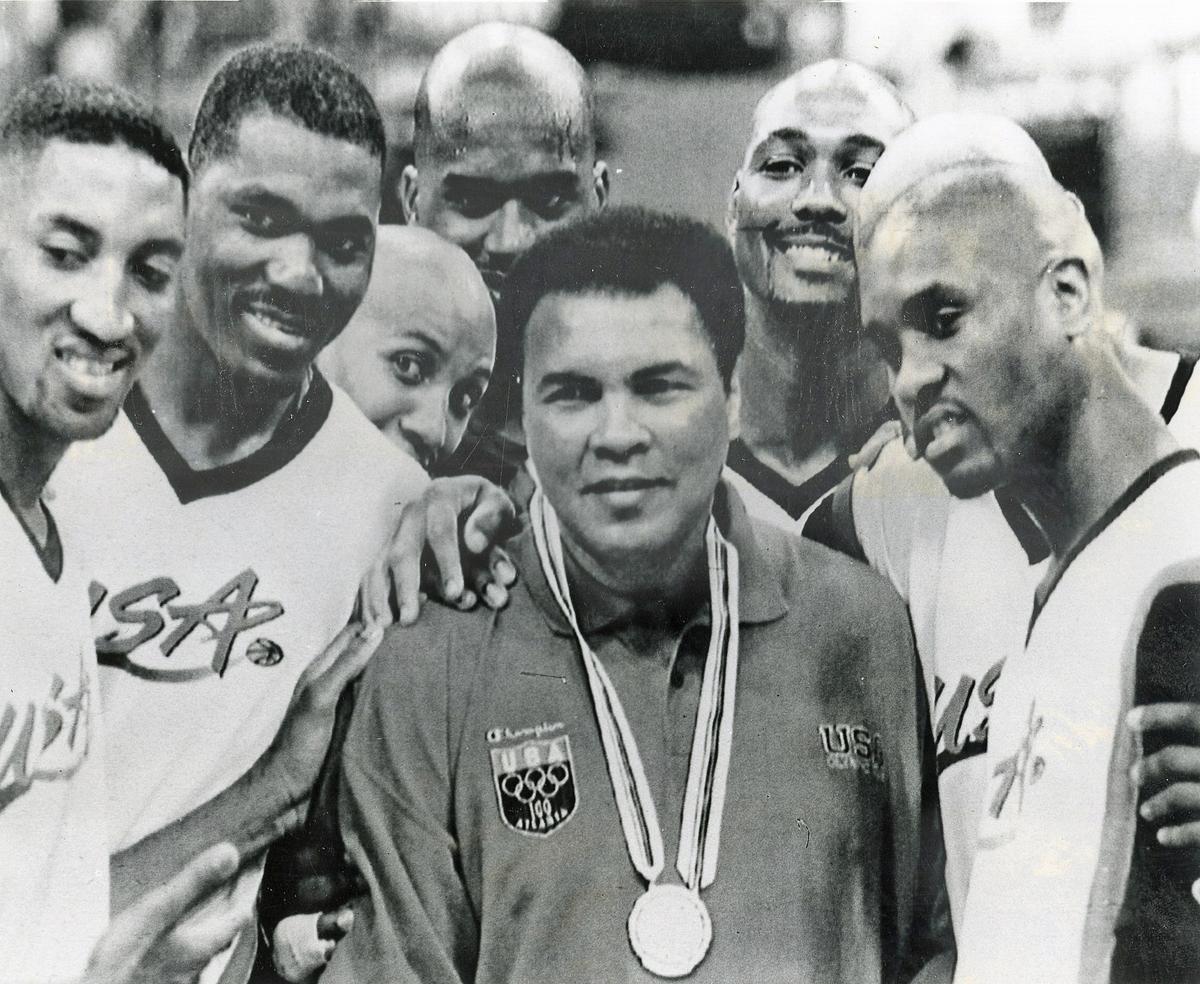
point(1111, 92)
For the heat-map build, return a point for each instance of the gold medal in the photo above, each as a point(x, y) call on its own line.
point(670, 930)
point(669, 926)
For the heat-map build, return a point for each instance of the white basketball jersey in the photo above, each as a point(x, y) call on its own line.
point(1051, 873)
point(53, 844)
point(968, 569)
point(212, 591)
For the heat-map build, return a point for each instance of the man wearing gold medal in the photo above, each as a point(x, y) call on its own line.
point(560, 790)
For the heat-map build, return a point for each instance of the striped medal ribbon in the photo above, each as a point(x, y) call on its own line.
point(669, 926)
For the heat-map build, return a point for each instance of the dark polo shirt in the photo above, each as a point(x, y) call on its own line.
point(476, 802)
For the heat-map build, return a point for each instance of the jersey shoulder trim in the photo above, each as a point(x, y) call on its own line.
point(292, 436)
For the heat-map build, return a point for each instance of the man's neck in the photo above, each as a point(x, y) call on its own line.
point(808, 381)
point(1108, 445)
point(631, 584)
point(28, 457)
point(210, 416)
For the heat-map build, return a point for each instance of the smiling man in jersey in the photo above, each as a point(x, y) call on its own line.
point(813, 391)
point(493, 795)
point(505, 150)
point(91, 228)
point(239, 498)
point(1006, 381)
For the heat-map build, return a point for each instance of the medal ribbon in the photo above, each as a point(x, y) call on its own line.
point(708, 767)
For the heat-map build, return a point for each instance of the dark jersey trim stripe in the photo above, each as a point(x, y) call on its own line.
point(291, 437)
point(1123, 502)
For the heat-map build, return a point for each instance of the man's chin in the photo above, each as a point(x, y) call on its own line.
point(967, 482)
point(791, 290)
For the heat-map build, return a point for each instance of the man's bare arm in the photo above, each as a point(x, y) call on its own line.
point(270, 798)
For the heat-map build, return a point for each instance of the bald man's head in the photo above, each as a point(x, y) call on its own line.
point(417, 356)
point(505, 144)
point(978, 276)
point(815, 138)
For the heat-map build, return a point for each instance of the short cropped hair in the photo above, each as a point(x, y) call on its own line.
point(86, 113)
point(633, 251)
point(301, 84)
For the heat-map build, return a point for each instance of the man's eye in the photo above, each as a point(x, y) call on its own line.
point(660, 386)
point(781, 167)
point(471, 205)
point(261, 221)
point(155, 276)
point(944, 322)
point(64, 257)
point(550, 205)
point(409, 368)
point(858, 173)
point(464, 399)
point(347, 249)
point(569, 393)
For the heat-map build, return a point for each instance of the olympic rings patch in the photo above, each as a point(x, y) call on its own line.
point(535, 785)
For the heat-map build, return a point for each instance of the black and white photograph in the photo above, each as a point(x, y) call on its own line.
point(600, 491)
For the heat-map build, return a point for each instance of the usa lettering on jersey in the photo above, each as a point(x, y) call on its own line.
point(960, 717)
point(148, 611)
point(44, 739)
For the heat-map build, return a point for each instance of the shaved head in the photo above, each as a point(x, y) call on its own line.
point(417, 356)
point(544, 89)
point(965, 161)
point(835, 91)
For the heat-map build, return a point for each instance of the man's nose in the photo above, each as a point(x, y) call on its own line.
point(619, 432)
point(512, 231)
point(917, 372)
point(818, 199)
point(293, 265)
point(103, 309)
point(426, 425)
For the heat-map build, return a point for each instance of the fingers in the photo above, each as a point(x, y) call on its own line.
point(352, 661)
point(1179, 801)
point(336, 924)
point(1176, 763)
point(1179, 717)
point(297, 950)
point(489, 519)
point(158, 911)
point(866, 457)
point(373, 603)
point(441, 528)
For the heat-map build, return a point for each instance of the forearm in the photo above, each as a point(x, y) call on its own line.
point(251, 814)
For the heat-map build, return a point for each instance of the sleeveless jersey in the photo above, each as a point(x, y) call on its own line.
point(53, 844)
point(213, 590)
point(968, 569)
point(1059, 890)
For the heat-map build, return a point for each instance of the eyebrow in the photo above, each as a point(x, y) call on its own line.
point(76, 228)
point(558, 178)
point(172, 247)
point(558, 378)
point(425, 339)
point(263, 196)
point(852, 141)
point(663, 369)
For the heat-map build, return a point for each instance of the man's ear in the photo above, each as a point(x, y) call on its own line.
point(408, 194)
point(1066, 290)
point(733, 402)
point(600, 183)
